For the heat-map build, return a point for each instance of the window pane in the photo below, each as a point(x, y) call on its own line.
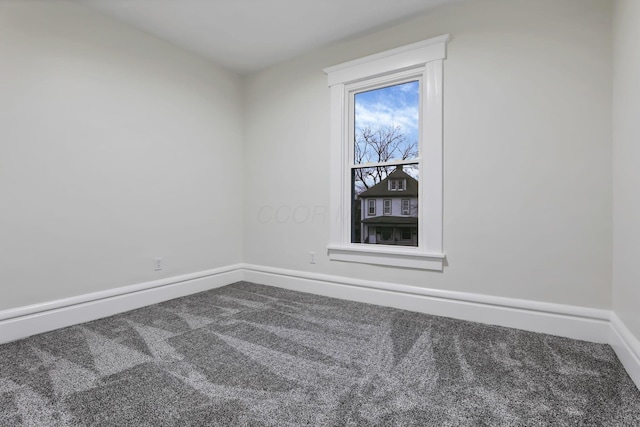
point(380, 215)
point(386, 124)
point(406, 203)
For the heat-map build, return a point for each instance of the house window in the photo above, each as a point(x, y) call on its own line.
point(397, 184)
point(387, 206)
point(372, 207)
point(406, 207)
point(386, 137)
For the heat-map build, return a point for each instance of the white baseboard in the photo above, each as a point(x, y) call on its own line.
point(581, 323)
point(589, 324)
point(627, 347)
point(38, 318)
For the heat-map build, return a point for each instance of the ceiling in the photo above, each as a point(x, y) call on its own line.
point(249, 35)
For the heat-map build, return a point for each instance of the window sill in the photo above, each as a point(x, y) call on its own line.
point(387, 255)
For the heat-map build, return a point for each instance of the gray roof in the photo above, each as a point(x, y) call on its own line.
point(391, 220)
point(381, 189)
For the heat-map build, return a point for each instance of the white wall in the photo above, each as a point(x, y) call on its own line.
point(626, 164)
point(527, 152)
point(115, 148)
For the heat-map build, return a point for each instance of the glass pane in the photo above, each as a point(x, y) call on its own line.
point(384, 208)
point(386, 124)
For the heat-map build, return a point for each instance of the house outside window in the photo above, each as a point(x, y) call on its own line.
point(390, 229)
point(386, 148)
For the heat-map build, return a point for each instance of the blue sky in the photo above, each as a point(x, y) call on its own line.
point(390, 106)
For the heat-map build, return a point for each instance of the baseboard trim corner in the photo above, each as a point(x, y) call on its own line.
point(583, 323)
point(34, 319)
point(627, 348)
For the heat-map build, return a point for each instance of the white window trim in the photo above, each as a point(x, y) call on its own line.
point(424, 58)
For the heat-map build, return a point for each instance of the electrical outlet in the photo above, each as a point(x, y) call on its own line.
point(312, 257)
point(157, 266)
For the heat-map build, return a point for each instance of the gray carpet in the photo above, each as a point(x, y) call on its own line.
point(255, 355)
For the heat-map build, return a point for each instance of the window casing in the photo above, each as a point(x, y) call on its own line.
point(372, 207)
point(422, 61)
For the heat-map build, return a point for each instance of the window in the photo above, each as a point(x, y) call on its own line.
point(397, 184)
point(387, 207)
point(386, 137)
point(372, 207)
point(406, 209)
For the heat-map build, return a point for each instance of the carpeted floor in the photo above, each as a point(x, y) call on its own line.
point(255, 355)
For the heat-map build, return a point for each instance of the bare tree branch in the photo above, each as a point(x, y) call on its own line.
point(381, 145)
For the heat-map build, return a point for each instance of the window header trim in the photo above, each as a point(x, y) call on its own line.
point(404, 57)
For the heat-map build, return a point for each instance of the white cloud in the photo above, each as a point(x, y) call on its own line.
point(377, 115)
